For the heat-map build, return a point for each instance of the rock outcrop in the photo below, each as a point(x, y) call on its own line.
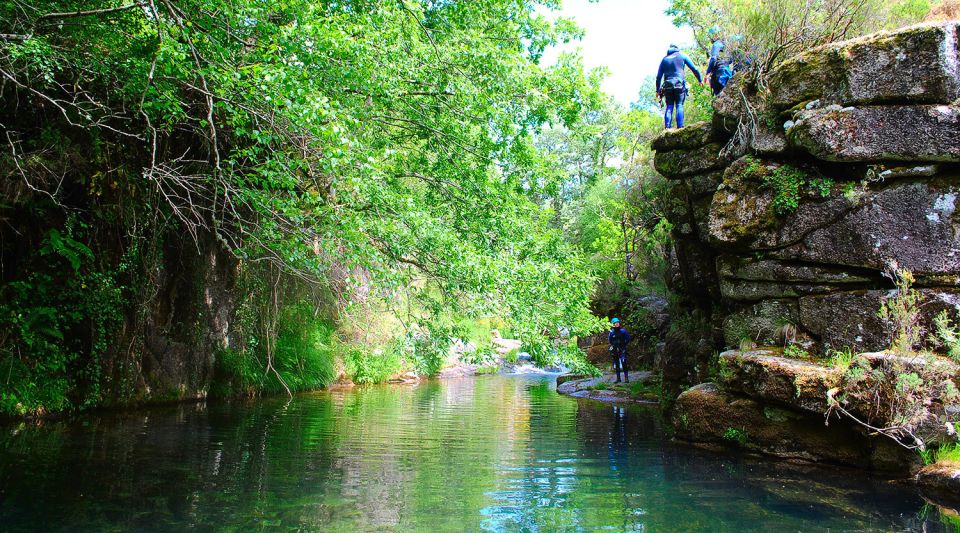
point(788, 210)
point(789, 206)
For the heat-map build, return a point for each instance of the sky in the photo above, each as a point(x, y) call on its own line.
point(630, 37)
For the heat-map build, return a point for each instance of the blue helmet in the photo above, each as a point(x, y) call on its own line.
point(713, 30)
point(615, 321)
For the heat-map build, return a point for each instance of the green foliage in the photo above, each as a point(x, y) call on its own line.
point(735, 435)
point(795, 351)
point(842, 360)
point(56, 324)
point(304, 353)
point(365, 365)
point(947, 335)
point(788, 183)
point(901, 312)
point(572, 357)
point(512, 356)
point(771, 32)
point(383, 151)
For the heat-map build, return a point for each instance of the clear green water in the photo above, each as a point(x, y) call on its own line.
point(491, 453)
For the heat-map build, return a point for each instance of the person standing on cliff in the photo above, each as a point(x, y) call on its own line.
point(618, 339)
point(672, 84)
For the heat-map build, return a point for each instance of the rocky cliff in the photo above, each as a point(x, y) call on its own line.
point(787, 210)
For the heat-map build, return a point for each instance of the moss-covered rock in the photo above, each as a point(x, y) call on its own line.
point(703, 185)
point(681, 163)
point(879, 133)
point(707, 415)
point(767, 375)
point(764, 205)
point(942, 480)
point(912, 65)
point(677, 209)
point(751, 279)
point(848, 319)
point(686, 138)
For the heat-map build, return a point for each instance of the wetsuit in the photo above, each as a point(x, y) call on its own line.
point(671, 84)
point(715, 82)
point(618, 339)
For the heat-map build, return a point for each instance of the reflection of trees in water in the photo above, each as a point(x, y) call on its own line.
point(463, 454)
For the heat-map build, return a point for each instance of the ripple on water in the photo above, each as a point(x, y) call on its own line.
point(493, 453)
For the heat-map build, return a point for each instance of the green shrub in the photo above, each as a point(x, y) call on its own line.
point(735, 435)
point(55, 326)
point(901, 312)
point(429, 353)
point(303, 356)
point(365, 365)
point(795, 351)
point(512, 356)
point(947, 336)
point(572, 357)
point(304, 350)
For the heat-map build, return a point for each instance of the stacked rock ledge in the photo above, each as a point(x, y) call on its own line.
point(787, 209)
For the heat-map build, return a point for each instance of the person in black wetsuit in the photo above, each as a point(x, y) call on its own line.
point(618, 339)
point(672, 84)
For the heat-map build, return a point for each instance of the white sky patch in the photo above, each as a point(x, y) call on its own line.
point(629, 37)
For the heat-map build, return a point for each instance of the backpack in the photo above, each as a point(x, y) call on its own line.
point(723, 71)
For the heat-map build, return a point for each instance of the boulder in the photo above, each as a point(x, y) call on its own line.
point(912, 65)
point(743, 214)
point(687, 138)
point(760, 322)
point(705, 414)
point(681, 163)
point(916, 223)
point(738, 100)
point(885, 133)
point(767, 375)
point(769, 140)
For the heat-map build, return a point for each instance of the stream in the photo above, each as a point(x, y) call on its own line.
point(493, 453)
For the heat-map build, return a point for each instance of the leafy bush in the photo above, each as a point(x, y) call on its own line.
point(947, 336)
point(55, 326)
point(735, 435)
point(901, 312)
point(365, 365)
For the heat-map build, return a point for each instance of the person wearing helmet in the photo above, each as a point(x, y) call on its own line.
point(618, 339)
point(719, 70)
point(672, 84)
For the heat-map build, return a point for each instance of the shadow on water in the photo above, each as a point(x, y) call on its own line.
point(493, 453)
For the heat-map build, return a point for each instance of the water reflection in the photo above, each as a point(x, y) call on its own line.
point(495, 453)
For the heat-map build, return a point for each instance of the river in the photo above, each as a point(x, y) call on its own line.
point(494, 453)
